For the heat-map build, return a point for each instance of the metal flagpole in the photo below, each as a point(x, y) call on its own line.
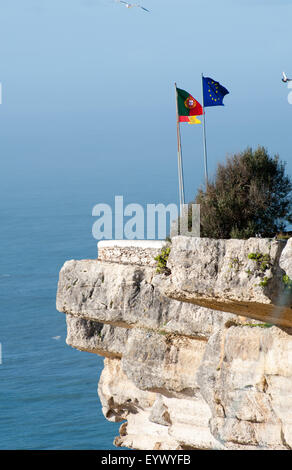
point(179, 158)
point(181, 169)
point(178, 152)
point(204, 136)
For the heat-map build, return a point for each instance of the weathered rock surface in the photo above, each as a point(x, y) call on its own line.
point(128, 296)
point(222, 275)
point(153, 420)
point(286, 258)
point(178, 375)
point(249, 389)
point(94, 337)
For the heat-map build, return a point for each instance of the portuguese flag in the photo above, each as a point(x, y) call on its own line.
point(188, 107)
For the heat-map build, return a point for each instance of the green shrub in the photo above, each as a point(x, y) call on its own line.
point(264, 282)
point(260, 325)
point(287, 294)
point(161, 259)
point(288, 282)
point(250, 195)
point(263, 262)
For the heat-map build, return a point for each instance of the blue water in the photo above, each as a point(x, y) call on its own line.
point(84, 119)
point(48, 390)
point(48, 187)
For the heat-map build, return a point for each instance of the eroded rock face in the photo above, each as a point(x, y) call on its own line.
point(246, 378)
point(96, 337)
point(153, 420)
point(105, 292)
point(239, 276)
point(127, 296)
point(165, 363)
point(230, 392)
point(178, 375)
point(286, 258)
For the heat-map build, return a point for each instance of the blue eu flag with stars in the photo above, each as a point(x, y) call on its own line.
point(213, 92)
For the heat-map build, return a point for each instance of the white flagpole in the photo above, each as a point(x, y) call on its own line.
point(178, 151)
point(204, 137)
point(179, 158)
point(181, 169)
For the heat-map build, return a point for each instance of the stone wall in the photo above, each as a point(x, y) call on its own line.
point(139, 252)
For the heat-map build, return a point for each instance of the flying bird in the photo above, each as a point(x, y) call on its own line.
point(285, 79)
point(131, 5)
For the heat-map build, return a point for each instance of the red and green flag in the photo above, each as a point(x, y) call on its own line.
point(188, 107)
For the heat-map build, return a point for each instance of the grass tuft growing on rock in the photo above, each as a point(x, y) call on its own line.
point(161, 259)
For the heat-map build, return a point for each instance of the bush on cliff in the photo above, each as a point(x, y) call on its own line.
point(250, 195)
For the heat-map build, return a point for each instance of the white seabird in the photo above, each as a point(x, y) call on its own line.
point(285, 79)
point(131, 5)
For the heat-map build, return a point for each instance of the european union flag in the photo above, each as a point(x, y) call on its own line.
point(213, 92)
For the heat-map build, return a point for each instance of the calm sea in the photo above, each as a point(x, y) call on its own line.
point(48, 390)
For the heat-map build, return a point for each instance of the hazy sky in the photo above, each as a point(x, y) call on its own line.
point(88, 91)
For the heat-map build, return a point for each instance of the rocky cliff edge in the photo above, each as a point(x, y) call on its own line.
point(200, 358)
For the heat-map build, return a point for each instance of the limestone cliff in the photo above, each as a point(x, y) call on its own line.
point(199, 359)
